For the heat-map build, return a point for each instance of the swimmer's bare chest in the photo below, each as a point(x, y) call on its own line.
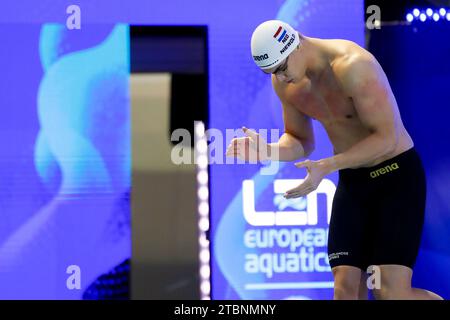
point(323, 100)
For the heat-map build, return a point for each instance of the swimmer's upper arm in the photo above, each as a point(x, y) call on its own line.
point(365, 82)
point(296, 123)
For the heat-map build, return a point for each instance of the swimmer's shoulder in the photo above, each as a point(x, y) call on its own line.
point(350, 55)
point(354, 64)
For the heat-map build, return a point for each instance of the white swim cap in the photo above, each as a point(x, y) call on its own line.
point(272, 41)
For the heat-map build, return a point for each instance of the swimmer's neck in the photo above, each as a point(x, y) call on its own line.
point(318, 57)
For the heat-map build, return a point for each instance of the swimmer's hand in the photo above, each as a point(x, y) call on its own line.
point(252, 147)
point(317, 170)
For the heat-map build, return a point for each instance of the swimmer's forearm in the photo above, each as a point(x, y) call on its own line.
point(363, 153)
point(288, 148)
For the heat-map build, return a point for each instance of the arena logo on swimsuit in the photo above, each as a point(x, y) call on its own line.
point(386, 169)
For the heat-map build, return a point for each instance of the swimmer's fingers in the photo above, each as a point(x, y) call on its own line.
point(298, 191)
point(235, 147)
point(292, 195)
point(250, 133)
point(302, 189)
point(235, 154)
point(304, 164)
point(231, 151)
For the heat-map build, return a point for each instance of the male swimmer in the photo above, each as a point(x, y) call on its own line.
point(378, 209)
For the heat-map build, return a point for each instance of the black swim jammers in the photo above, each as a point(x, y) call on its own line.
point(378, 213)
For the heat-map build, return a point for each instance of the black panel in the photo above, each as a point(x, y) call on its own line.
point(181, 51)
point(168, 49)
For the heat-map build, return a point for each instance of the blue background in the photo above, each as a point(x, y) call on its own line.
point(65, 157)
point(416, 60)
point(64, 147)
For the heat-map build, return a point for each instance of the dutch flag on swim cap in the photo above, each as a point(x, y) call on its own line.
point(272, 41)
